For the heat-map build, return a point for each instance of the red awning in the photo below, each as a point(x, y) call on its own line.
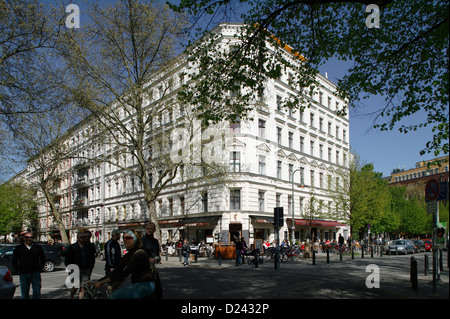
point(315, 222)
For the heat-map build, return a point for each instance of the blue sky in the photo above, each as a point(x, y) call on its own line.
point(388, 149)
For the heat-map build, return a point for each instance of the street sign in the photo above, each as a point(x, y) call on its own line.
point(443, 191)
point(432, 207)
point(431, 190)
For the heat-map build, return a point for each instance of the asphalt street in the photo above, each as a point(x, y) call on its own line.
point(346, 279)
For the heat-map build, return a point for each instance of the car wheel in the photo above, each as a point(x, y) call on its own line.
point(49, 266)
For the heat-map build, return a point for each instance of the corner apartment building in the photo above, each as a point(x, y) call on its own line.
point(267, 158)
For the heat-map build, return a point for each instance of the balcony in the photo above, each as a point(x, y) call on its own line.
point(82, 182)
point(81, 202)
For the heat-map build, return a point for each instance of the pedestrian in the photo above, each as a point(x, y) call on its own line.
point(244, 249)
point(132, 278)
point(82, 253)
point(238, 245)
point(112, 252)
point(151, 246)
point(28, 259)
point(341, 242)
point(185, 252)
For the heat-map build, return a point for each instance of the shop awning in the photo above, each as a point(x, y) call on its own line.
point(262, 219)
point(189, 221)
point(315, 223)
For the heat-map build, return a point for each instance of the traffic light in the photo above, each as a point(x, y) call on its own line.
point(278, 217)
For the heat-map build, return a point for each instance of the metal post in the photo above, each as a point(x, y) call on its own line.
point(371, 251)
point(314, 255)
point(427, 265)
point(414, 279)
point(353, 252)
point(328, 256)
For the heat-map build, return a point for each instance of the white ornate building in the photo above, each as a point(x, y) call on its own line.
point(262, 155)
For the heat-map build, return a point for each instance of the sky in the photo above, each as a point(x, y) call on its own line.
point(386, 150)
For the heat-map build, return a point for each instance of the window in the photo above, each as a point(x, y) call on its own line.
point(261, 200)
point(235, 199)
point(312, 178)
point(302, 144)
point(291, 169)
point(235, 127)
point(262, 128)
point(278, 200)
point(311, 119)
point(279, 130)
point(235, 162)
point(205, 202)
point(262, 165)
point(182, 205)
point(279, 169)
point(278, 102)
point(291, 138)
point(312, 147)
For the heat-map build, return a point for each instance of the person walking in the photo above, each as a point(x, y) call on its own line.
point(238, 244)
point(151, 246)
point(112, 252)
point(82, 254)
point(28, 259)
point(185, 251)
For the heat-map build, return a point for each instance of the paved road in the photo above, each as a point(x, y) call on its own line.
point(345, 279)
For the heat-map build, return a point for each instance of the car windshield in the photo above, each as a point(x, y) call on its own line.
point(399, 242)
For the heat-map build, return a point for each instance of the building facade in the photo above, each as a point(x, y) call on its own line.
point(267, 157)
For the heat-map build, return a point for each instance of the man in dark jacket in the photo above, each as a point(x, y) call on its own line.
point(82, 254)
point(112, 252)
point(28, 260)
point(151, 246)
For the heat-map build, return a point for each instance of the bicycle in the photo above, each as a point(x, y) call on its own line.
point(257, 258)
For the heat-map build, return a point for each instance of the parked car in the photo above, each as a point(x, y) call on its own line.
point(428, 244)
point(419, 246)
point(52, 258)
point(7, 286)
point(403, 246)
point(61, 248)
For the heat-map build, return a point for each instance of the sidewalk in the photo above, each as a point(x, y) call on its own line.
point(351, 273)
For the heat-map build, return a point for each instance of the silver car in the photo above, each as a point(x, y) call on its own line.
point(402, 246)
point(7, 287)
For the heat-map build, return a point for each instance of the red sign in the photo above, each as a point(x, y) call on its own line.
point(432, 190)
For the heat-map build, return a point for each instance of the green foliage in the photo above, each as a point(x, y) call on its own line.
point(405, 60)
point(16, 207)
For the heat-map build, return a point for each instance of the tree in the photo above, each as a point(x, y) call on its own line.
point(40, 139)
point(120, 60)
point(17, 207)
point(405, 60)
point(363, 197)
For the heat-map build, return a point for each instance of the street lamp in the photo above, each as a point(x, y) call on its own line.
point(293, 219)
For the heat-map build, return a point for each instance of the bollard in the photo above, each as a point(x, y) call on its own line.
point(219, 257)
point(381, 251)
point(328, 256)
point(441, 263)
point(427, 265)
point(362, 252)
point(396, 250)
point(179, 255)
point(314, 257)
point(371, 251)
point(340, 254)
point(353, 252)
point(413, 276)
